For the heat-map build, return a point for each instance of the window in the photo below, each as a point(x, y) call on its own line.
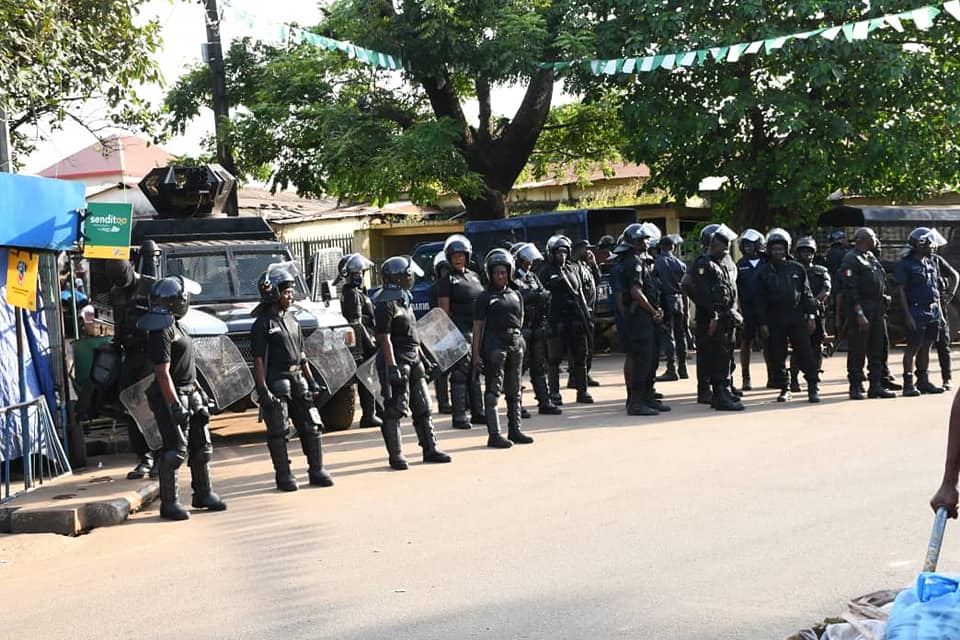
point(211, 270)
point(250, 266)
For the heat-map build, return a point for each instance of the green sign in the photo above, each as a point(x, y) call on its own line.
point(107, 229)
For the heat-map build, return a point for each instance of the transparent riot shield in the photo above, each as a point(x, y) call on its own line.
point(224, 372)
point(367, 376)
point(134, 400)
point(331, 358)
point(441, 339)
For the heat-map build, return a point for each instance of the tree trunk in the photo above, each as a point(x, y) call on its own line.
point(490, 205)
point(753, 210)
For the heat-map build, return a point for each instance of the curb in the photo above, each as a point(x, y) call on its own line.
point(77, 518)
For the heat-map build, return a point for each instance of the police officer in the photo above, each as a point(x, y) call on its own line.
point(441, 269)
point(582, 258)
point(357, 308)
point(456, 295)
point(498, 348)
point(786, 312)
point(605, 247)
point(864, 289)
point(536, 302)
point(285, 384)
point(403, 376)
point(177, 402)
point(919, 291)
point(711, 288)
point(748, 268)
point(619, 291)
point(670, 271)
point(948, 280)
point(569, 319)
point(839, 246)
point(820, 286)
point(643, 317)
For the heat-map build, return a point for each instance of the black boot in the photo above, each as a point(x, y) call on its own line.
point(641, 409)
point(443, 394)
point(281, 463)
point(876, 390)
point(670, 374)
point(784, 395)
point(746, 383)
point(947, 380)
point(813, 392)
point(203, 495)
point(554, 387)
point(890, 384)
point(513, 424)
point(794, 381)
point(925, 386)
point(651, 400)
point(725, 401)
point(856, 390)
point(458, 396)
point(592, 382)
point(704, 394)
point(584, 398)
point(312, 446)
point(144, 464)
point(909, 391)
point(170, 507)
point(368, 408)
point(477, 414)
point(544, 406)
point(682, 369)
point(154, 472)
point(427, 436)
point(495, 439)
point(391, 439)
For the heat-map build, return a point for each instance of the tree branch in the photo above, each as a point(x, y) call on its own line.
point(483, 98)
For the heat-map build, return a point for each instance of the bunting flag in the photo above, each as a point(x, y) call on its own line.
point(922, 18)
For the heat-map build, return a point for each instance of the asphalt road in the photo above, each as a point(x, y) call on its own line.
point(691, 525)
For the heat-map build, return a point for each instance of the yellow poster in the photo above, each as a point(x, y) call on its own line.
point(22, 268)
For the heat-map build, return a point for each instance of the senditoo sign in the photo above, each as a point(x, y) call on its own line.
point(107, 230)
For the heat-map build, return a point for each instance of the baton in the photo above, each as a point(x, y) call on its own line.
point(936, 540)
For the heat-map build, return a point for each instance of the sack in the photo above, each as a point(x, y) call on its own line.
point(106, 365)
point(928, 611)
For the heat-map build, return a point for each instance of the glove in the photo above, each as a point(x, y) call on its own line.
point(181, 415)
point(394, 375)
point(267, 399)
point(316, 388)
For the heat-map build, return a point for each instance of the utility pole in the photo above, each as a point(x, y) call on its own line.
point(221, 107)
point(6, 162)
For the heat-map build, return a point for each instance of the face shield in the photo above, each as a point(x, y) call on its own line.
point(934, 238)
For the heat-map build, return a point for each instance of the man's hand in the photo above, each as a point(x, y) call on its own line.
point(712, 327)
point(266, 398)
point(863, 323)
point(181, 415)
point(591, 259)
point(764, 331)
point(946, 496)
point(658, 316)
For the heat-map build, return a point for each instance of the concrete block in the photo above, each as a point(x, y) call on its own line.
point(5, 515)
point(106, 513)
point(67, 521)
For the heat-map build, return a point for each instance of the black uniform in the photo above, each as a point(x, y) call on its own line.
point(536, 301)
point(501, 349)
point(714, 296)
point(821, 285)
point(590, 277)
point(462, 289)
point(863, 282)
point(670, 271)
point(569, 322)
point(357, 308)
point(943, 339)
point(277, 338)
point(404, 388)
point(784, 304)
point(637, 270)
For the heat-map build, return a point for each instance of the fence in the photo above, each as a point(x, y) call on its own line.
point(304, 249)
point(43, 459)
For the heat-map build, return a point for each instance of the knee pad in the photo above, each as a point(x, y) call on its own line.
point(173, 458)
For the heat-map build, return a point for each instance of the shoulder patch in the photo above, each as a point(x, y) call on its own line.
point(700, 271)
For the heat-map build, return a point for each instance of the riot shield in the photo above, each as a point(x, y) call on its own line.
point(134, 400)
point(225, 373)
point(367, 376)
point(331, 358)
point(441, 339)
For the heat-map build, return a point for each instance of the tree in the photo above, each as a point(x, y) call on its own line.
point(788, 128)
point(58, 57)
point(328, 125)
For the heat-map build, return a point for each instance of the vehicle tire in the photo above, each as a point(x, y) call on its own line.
point(337, 413)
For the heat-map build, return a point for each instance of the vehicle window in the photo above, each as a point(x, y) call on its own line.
point(250, 266)
point(210, 270)
point(425, 261)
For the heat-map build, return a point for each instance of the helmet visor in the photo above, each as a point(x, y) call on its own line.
point(934, 238)
point(725, 232)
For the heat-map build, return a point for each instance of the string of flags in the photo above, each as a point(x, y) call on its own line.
point(923, 18)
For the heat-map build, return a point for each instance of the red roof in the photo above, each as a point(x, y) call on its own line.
point(123, 156)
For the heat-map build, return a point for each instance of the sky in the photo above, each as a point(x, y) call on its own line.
point(183, 32)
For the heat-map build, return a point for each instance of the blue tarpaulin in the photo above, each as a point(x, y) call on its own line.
point(39, 213)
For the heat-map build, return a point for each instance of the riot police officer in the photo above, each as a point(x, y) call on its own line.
point(820, 286)
point(711, 288)
point(569, 319)
point(356, 307)
point(619, 291)
point(498, 348)
point(670, 271)
point(177, 402)
point(839, 246)
point(285, 383)
point(441, 269)
point(643, 317)
point(748, 267)
point(403, 377)
point(864, 291)
point(456, 295)
point(786, 312)
point(919, 291)
point(583, 259)
point(948, 280)
point(536, 301)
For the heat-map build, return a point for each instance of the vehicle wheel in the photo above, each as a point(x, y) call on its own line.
point(338, 412)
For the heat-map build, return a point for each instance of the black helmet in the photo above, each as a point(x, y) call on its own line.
point(496, 258)
point(925, 235)
point(837, 237)
point(351, 268)
point(558, 243)
point(274, 280)
point(527, 252)
point(457, 243)
point(807, 242)
point(169, 300)
point(621, 246)
point(400, 271)
point(779, 235)
point(607, 243)
point(754, 236)
point(440, 262)
point(671, 240)
point(712, 230)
